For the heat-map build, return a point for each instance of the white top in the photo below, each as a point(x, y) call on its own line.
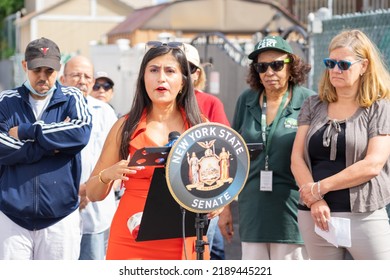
point(97, 216)
point(39, 105)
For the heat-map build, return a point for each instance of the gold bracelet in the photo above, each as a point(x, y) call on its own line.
point(101, 180)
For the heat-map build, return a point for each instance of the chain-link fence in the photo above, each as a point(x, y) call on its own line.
point(376, 25)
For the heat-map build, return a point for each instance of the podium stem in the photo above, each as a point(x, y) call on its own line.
point(200, 223)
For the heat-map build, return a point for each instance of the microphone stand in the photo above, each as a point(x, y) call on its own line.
point(201, 219)
point(200, 223)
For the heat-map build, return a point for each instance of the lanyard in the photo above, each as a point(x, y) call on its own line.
point(268, 137)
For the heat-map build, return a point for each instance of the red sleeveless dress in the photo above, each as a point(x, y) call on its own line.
point(121, 244)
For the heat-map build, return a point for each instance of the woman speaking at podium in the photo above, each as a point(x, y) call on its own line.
point(164, 102)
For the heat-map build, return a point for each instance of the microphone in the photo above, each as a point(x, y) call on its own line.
point(172, 138)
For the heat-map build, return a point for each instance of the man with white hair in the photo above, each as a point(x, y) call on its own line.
point(96, 216)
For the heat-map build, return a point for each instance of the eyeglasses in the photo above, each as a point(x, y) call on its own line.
point(78, 76)
point(342, 64)
point(105, 86)
point(276, 65)
point(193, 68)
point(172, 45)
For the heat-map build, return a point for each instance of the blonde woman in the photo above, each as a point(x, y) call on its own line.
point(340, 157)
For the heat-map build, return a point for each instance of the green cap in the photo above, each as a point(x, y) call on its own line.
point(276, 43)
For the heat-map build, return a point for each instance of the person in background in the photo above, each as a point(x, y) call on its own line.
point(340, 157)
point(267, 113)
point(214, 111)
point(164, 102)
point(103, 89)
point(43, 128)
point(210, 105)
point(96, 216)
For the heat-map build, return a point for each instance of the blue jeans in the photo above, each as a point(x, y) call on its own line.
point(215, 238)
point(93, 246)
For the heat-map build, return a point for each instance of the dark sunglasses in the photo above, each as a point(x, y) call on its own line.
point(105, 86)
point(193, 68)
point(342, 64)
point(156, 44)
point(276, 65)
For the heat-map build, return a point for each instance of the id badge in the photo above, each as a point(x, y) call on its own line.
point(266, 180)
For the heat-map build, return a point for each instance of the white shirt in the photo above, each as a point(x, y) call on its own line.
point(97, 216)
point(39, 105)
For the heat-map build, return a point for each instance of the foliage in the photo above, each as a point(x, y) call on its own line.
point(7, 7)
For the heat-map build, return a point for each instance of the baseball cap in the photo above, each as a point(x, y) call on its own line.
point(276, 43)
point(192, 54)
point(43, 53)
point(104, 75)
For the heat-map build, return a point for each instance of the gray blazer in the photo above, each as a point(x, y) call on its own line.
point(363, 125)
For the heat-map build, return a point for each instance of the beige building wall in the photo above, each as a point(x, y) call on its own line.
point(73, 24)
point(137, 4)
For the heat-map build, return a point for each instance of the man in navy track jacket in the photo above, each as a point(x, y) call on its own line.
point(43, 128)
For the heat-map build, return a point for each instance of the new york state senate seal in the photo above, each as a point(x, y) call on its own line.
point(207, 167)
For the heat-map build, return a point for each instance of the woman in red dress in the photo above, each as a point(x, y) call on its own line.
point(164, 102)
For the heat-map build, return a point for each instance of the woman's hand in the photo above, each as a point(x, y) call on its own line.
point(310, 193)
point(320, 213)
point(225, 223)
point(106, 176)
point(119, 170)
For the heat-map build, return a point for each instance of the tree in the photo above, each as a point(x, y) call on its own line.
point(7, 8)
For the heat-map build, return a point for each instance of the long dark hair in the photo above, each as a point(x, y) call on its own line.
point(185, 100)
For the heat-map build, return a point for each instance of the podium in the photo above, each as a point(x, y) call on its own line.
point(162, 217)
point(203, 171)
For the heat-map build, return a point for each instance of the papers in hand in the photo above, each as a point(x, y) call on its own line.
point(339, 233)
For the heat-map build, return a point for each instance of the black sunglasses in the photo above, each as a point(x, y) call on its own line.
point(276, 65)
point(342, 64)
point(193, 68)
point(105, 86)
point(156, 44)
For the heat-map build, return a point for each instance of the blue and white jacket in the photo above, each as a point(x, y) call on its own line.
point(40, 171)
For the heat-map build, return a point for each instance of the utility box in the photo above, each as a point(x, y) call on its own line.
point(122, 66)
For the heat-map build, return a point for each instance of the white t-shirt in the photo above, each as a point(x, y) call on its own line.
point(39, 105)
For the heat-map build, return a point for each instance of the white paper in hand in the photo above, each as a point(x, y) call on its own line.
point(339, 233)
